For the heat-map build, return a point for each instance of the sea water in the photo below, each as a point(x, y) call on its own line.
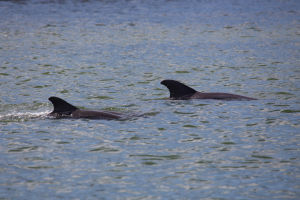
point(112, 55)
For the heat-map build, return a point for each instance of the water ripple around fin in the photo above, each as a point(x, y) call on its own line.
point(23, 116)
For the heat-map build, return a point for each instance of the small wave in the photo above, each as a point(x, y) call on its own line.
point(23, 116)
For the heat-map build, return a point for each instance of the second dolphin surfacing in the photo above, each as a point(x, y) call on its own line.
point(180, 91)
point(63, 109)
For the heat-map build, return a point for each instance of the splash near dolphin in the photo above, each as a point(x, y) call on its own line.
point(63, 109)
point(180, 91)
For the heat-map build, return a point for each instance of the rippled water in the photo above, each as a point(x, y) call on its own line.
point(112, 55)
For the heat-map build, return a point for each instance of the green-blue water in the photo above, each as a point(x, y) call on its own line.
point(112, 55)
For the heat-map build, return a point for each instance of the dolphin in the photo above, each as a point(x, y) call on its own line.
point(63, 109)
point(180, 91)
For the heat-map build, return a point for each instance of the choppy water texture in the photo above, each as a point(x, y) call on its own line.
point(112, 55)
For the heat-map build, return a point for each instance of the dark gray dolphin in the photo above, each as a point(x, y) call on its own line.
point(64, 109)
point(179, 91)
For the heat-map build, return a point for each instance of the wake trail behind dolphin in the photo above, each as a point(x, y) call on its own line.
point(23, 116)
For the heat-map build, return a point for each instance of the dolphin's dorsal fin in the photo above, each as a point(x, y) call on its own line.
point(177, 89)
point(61, 106)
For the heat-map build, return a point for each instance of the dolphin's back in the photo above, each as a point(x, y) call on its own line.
point(95, 114)
point(219, 96)
point(180, 91)
point(65, 109)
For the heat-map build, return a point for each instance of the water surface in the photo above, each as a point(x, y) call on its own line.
point(112, 55)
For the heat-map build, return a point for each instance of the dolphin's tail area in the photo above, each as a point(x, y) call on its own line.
point(61, 106)
point(178, 90)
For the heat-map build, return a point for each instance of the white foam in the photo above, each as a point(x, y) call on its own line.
point(22, 116)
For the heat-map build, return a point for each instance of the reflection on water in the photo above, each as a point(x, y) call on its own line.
point(112, 55)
